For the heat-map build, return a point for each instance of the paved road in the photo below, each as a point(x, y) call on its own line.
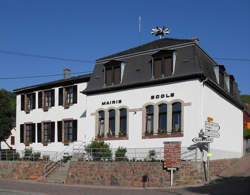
point(228, 186)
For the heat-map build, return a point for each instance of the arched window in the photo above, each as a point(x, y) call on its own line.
point(176, 117)
point(149, 119)
point(101, 122)
point(123, 122)
point(111, 131)
point(162, 125)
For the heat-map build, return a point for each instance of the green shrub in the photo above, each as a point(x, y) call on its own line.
point(120, 154)
point(151, 155)
point(27, 154)
point(99, 150)
point(36, 156)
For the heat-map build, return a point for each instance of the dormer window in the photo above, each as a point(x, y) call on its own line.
point(162, 64)
point(221, 78)
point(113, 73)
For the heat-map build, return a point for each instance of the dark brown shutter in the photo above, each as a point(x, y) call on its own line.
point(40, 99)
point(168, 66)
point(21, 133)
point(39, 132)
point(157, 68)
point(75, 94)
point(52, 97)
point(33, 132)
point(108, 76)
point(52, 132)
point(221, 78)
point(33, 101)
point(59, 131)
point(117, 75)
point(60, 100)
point(74, 130)
point(22, 102)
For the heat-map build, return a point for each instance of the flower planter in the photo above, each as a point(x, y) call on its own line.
point(27, 111)
point(66, 106)
point(27, 143)
point(45, 143)
point(66, 143)
point(45, 109)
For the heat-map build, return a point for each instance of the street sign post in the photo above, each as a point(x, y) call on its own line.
point(202, 140)
point(213, 134)
point(211, 126)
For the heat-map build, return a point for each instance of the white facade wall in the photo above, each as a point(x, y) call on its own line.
point(56, 113)
point(200, 102)
point(230, 119)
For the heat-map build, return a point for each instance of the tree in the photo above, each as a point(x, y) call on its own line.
point(7, 113)
point(245, 99)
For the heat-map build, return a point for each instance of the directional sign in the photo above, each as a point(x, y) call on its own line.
point(213, 134)
point(202, 140)
point(210, 126)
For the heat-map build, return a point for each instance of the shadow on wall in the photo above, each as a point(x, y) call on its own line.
point(224, 185)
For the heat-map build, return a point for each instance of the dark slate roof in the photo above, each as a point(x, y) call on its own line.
point(191, 62)
point(57, 83)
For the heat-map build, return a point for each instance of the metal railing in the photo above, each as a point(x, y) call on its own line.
point(97, 154)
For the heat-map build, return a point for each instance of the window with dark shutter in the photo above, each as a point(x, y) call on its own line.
point(221, 78)
point(74, 94)
point(22, 102)
point(59, 131)
point(12, 142)
point(60, 97)
point(33, 101)
point(162, 64)
point(52, 131)
point(74, 130)
point(108, 76)
point(33, 132)
point(52, 97)
point(157, 68)
point(168, 66)
point(117, 75)
point(39, 133)
point(113, 73)
point(22, 133)
point(40, 99)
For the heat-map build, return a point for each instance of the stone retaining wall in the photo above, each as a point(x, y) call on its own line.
point(22, 170)
point(139, 174)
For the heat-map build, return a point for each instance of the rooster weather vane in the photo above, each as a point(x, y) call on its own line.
point(158, 31)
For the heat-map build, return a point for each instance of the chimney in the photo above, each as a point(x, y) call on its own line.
point(66, 73)
point(196, 39)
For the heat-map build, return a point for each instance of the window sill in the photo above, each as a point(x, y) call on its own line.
point(112, 138)
point(163, 135)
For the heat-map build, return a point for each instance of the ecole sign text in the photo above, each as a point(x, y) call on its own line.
point(111, 102)
point(160, 96)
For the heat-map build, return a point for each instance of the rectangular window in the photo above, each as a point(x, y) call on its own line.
point(30, 101)
point(113, 73)
point(48, 98)
point(221, 78)
point(47, 132)
point(12, 140)
point(68, 131)
point(29, 133)
point(67, 95)
point(162, 64)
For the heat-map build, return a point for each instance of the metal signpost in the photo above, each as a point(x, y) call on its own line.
point(211, 131)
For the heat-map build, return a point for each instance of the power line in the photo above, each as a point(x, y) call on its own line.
point(234, 59)
point(44, 57)
point(41, 76)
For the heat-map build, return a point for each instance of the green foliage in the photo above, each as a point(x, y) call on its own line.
point(7, 113)
point(36, 156)
point(151, 154)
point(245, 99)
point(99, 150)
point(246, 132)
point(9, 155)
point(29, 155)
point(120, 154)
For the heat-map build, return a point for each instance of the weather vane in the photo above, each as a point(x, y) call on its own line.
point(158, 31)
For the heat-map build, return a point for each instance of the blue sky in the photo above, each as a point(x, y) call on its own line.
point(88, 30)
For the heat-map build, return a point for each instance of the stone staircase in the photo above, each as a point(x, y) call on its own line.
point(59, 175)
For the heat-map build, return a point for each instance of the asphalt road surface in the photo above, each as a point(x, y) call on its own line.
point(227, 186)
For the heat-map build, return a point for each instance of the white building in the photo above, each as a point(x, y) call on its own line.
point(139, 98)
